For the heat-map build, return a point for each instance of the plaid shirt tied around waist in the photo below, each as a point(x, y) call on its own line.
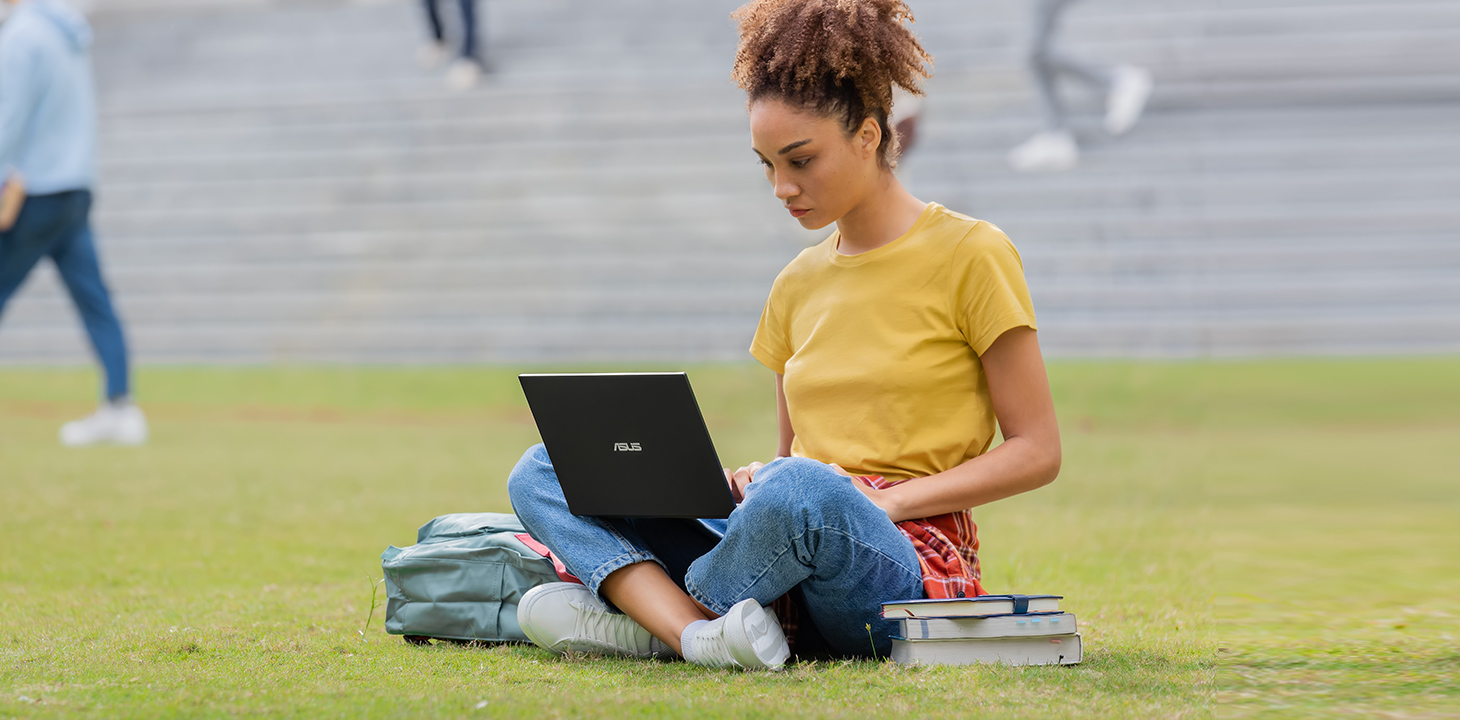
point(947, 548)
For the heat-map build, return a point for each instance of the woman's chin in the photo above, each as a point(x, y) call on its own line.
point(812, 221)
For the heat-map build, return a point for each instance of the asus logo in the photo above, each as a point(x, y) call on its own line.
point(627, 447)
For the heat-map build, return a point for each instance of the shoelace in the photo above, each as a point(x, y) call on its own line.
point(598, 624)
point(710, 647)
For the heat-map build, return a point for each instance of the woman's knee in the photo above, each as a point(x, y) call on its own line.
point(796, 483)
point(533, 472)
point(794, 470)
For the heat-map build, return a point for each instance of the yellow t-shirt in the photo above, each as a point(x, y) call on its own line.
point(880, 351)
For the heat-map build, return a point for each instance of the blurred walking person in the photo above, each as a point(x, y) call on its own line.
point(1126, 89)
point(467, 68)
point(47, 144)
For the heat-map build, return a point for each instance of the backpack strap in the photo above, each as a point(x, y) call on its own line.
point(541, 549)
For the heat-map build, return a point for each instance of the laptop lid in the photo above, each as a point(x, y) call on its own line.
point(629, 445)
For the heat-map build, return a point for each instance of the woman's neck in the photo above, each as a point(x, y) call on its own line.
point(887, 213)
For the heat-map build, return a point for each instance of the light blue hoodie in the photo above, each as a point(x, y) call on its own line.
point(47, 102)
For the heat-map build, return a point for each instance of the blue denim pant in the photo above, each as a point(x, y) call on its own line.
point(802, 527)
point(57, 226)
point(468, 26)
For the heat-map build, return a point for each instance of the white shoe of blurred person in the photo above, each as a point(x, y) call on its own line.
point(567, 616)
point(121, 423)
point(463, 73)
point(1049, 151)
point(432, 54)
point(748, 637)
point(1127, 99)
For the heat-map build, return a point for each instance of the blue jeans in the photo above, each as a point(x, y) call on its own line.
point(802, 528)
point(468, 26)
point(56, 226)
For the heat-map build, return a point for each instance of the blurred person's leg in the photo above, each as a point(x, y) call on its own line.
point(469, 29)
point(80, 270)
point(56, 225)
point(433, 17)
point(467, 68)
point(117, 420)
point(434, 51)
point(1052, 149)
point(1045, 64)
point(1126, 87)
point(21, 247)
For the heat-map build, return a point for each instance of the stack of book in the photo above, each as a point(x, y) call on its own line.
point(1008, 629)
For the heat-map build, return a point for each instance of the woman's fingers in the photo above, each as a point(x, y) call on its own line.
point(735, 493)
point(738, 480)
point(741, 478)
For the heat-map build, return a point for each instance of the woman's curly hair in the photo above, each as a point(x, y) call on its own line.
point(839, 58)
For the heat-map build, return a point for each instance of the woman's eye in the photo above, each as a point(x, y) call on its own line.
point(800, 163)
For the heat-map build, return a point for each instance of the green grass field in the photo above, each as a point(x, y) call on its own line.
point(1247, 539)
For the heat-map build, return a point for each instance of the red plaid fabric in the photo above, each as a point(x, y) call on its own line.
point(947, 548)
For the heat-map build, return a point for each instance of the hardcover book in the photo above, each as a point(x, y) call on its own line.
point(997, 626)
point(981, 606)
point(1048, 650)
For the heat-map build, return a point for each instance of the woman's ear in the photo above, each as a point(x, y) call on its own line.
point(870, 136)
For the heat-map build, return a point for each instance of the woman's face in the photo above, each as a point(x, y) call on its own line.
point(816, 171)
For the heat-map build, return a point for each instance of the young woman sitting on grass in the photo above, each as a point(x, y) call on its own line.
point(897, 344)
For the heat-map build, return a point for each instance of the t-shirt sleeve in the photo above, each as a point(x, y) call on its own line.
point(990, 295)
point(772, 342)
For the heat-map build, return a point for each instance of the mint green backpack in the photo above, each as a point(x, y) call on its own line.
point(462, 579)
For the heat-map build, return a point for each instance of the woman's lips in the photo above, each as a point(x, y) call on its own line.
point(798, 212)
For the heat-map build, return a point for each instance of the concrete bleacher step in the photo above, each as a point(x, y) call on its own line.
point(1043, 260)
point(461, 200)
point(280, 182)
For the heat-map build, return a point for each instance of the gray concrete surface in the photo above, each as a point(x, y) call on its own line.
point(282, 183)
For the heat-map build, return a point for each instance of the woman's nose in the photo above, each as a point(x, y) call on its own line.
point(785, 190)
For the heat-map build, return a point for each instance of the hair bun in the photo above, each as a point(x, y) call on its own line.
point(837, 56)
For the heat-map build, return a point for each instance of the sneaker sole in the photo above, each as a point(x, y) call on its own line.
point(754, 637)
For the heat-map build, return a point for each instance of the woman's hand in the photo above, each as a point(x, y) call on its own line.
point(1028, 458)
point(880, 498)
point(741, 478)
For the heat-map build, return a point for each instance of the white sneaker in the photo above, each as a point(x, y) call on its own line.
point(749, 637)
point(431, 55)
point(463, 74)
point(1127, 99)
point(123, 425)
point(1050, 151)
point(568, 616)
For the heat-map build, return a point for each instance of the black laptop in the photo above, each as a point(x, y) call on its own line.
point(629, 445)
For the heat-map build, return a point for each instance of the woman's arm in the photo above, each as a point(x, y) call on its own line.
point(783, 419)
point(742, 477)
point(1028, 458)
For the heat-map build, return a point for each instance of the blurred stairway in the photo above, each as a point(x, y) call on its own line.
point(281, 183)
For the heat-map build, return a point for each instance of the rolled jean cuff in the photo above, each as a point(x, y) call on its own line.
point(702, 599)
point(608, 568)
